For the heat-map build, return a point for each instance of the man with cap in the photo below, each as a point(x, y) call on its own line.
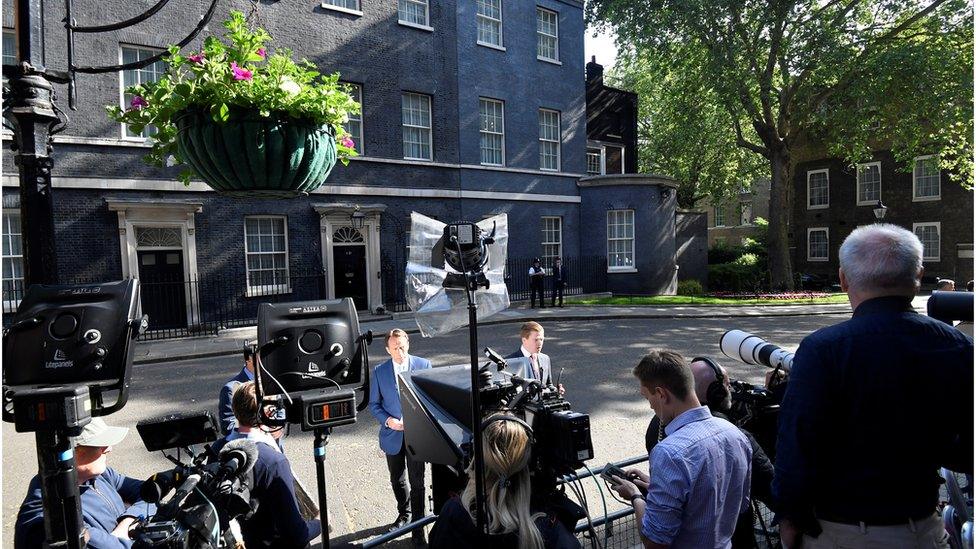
point(110, 502)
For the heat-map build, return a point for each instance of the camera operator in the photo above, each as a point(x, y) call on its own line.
point(699, 471)
point(512, 523)
point(225, 412)
point(712, 386)
point(104, 493)
point(874, 406)
point(277, 522)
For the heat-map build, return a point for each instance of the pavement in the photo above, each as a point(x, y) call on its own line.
point(230, 342)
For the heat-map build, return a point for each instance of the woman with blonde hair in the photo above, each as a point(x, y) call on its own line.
point(511, 522)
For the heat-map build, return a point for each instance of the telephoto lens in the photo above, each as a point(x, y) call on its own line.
point(752, 349)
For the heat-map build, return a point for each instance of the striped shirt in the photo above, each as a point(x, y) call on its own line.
point(699, 484)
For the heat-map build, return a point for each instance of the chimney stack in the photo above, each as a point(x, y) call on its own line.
point(594, 72)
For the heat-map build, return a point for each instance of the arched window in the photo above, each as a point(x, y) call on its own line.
point(347, 235)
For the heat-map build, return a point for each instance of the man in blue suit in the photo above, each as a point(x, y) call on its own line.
point(225, 412)
point(384, 404)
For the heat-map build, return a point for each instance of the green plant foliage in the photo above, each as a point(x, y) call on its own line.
point(231, 76)
point(690, 287)
point(735, 277)
point(801, 79)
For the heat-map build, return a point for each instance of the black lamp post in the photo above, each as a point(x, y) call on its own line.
point(879, 211)
point(34, 118)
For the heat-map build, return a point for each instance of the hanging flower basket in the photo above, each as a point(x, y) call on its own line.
point(247, 122)
point(256, 156)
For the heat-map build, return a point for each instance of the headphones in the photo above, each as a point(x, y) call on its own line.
point(716, 391)
point(505, 417)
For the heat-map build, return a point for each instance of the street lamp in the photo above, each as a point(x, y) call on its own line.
point(357, 218)
point(879, 211)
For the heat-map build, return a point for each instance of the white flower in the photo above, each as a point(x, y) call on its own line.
point(290, 87)
point(170, 161)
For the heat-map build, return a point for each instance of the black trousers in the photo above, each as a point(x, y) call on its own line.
point(408, 499)
point(537, 289)
point(557, 290)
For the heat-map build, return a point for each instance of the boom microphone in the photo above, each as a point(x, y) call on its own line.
point(237, 457)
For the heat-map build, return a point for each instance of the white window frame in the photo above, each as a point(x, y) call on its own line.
point(267, 289)
point(558, 230)
point(717, 210)
point(429, 127)
point(628, 213)
point(598, 153)
point(482, 131)
point(539, 10)
point(123, 127)
point(360, 146)
point(938, 249)
point(557, 141)
point(426, 24)
point(826, 231)
point(10, 306)
point(811, 206)
point(857, 185)
point(7, 54)
point(915, 197)
point(329, 5)
point(491, 20)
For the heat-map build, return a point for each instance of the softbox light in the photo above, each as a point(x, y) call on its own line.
point(438, 309)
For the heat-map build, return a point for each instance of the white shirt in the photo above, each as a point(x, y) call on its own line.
point(257, 435)
point(399, 368)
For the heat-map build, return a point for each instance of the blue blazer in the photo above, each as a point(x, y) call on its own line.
point(384, 401)
point(225, 412)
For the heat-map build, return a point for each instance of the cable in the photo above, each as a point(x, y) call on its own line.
point(589, 519)
point(216, 529)
point(273, 378)
point(606, 531)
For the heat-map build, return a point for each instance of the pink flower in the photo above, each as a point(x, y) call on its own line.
point(196, 58)
point(239, 73)
point(348, 142)
point(138, 102)
point(262, 53)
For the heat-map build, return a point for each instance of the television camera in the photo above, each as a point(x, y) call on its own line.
point(206, 495)
point(438, 425)
point(67, 347)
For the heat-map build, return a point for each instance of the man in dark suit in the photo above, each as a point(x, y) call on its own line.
point(540, 366)
point(225, 411)
point(558, 282)
point(384, 404)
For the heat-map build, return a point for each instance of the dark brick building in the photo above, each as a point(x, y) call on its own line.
point(611, 126)
point(832, 199)
point(499, 88)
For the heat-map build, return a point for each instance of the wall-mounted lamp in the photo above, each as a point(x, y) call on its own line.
point(357, 218)
point(879, 211)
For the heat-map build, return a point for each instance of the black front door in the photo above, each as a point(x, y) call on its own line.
point(349, 275)
point(163, 289)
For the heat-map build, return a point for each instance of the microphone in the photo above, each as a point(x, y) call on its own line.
point(237, 457)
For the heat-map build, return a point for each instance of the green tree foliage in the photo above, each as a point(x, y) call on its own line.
point(683, 130)
point(795, 76)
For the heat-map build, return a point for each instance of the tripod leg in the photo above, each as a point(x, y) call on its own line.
point(63, 525)
point(321, 440)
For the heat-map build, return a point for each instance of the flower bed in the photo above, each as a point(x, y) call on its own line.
point(780, 296)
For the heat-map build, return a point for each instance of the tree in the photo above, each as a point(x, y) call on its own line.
point(852, 75)
point(682, 129)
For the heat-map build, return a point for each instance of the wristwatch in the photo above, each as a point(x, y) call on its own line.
point(633, 497)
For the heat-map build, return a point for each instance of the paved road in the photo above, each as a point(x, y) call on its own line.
point(597, 357)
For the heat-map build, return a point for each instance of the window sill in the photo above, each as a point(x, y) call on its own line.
point(357, 13)
point(818, 259)
point(492, 46)
point(547, 60)
point(492, 165)
point(417, 26)
point(868, 203)
point(621, 270)
point(821, 207)
point(261, 291)
point(418, 159)
point(926, 198)
point(548, 170)
point(931, 259)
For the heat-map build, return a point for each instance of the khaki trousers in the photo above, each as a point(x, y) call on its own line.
point(928, 533)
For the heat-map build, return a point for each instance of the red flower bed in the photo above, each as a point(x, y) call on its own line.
point(781, 296)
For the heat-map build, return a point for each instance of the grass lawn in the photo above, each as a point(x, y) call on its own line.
point(799, 299)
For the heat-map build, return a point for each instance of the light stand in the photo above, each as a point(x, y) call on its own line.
point(472, 279)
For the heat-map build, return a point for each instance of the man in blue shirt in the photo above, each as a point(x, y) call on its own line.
point(873, 407)
point(384, 404)
point(110, 502)
point(699, 473)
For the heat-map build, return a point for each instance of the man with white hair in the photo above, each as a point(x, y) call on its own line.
point(874, 406)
